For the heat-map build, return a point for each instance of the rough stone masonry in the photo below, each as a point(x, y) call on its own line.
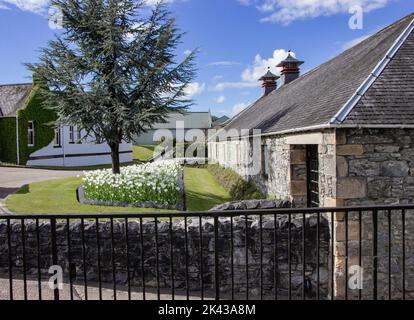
point(199, 253)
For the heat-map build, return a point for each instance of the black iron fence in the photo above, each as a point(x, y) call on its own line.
point(316, 253)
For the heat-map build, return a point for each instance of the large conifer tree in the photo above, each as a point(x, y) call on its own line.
point(112, 69)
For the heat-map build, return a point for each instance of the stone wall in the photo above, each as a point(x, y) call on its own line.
point(178, 240)
point(286, 176)
point(375, 167)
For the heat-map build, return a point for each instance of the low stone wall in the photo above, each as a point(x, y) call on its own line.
point(253, 205)
point(178, 259)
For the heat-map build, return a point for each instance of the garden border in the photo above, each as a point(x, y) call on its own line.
point(181, 206)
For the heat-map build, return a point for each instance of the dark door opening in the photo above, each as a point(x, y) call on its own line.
point(312, 167)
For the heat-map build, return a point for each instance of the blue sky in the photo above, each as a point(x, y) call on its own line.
point(237, 39)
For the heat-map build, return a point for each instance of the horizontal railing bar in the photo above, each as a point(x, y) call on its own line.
point(280, 211)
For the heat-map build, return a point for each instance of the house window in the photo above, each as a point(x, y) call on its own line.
point(58, 138)
point(79, 137)
point(71, 134)
point(30, 134)
point(265, 160)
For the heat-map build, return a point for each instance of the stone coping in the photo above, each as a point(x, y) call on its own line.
point(253, 205)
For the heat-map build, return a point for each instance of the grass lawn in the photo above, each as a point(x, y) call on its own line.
point(58, 196)
point(81, 168)
point(143, 153)
point(202, 191)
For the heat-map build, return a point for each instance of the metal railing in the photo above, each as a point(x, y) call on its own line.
point(252, 254)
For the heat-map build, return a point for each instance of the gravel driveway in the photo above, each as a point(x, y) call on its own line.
point(13, 178)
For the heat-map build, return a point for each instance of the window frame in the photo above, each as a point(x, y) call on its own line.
point(30, 133)
point(71, 134)
point(79, 135)
point(265, 161)
point(57, 140)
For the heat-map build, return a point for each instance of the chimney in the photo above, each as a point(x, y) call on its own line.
point(290, 69)
point(269, 82)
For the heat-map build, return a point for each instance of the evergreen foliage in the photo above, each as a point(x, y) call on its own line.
point(112, 71)
point(44, 123)
point(8, 140)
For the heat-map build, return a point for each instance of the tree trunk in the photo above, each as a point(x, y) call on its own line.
point(116, 167)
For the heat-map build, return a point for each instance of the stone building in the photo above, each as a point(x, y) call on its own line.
point(342, 134)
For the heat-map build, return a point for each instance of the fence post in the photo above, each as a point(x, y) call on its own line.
point(375, 253)
point(54, 251)
point(216, 259)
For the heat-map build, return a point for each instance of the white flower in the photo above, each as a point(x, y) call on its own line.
point(138, 183)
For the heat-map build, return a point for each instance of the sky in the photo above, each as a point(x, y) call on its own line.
point(237, 39)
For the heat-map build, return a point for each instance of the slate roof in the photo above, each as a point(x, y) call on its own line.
point(221, 121)
point(390, 99)
point(13, 98)
point(192, 120)
point(315, 98)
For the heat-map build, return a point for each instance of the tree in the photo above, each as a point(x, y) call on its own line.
point(112, 71)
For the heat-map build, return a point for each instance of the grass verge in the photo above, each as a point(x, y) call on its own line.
point(237, 187)
point(143, 153)
point(58, 196)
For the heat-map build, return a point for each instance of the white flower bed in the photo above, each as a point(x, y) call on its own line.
point(154, 182)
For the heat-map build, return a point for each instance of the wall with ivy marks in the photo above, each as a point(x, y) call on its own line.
point(8, 140)
point(44, 130)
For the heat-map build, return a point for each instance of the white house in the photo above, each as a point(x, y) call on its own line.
point(186, 122)
point(23, 127)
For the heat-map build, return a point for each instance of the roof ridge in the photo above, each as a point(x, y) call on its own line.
point(245, 109)
point(346, 109)
point(16, 84)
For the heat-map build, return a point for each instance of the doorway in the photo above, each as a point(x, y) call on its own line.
point(312, 168)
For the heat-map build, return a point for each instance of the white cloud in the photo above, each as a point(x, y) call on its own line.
point(187, 52)
point(36, 6)
point(251, 75)
point(220, 99)
point(260, 65)
point(233, 85)
point(224, 63)
point(287, 11)
point(245, 2)
point(194, 89)
point(239, 107)
point(217, 78)
point(154, 2)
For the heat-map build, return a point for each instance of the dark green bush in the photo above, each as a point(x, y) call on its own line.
point(44, 130)
point(238, 188)
point(8, 140)
point(44, 125)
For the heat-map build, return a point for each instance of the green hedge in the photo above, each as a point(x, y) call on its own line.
point(44, 120)
point(238, 188)
point(8, 140)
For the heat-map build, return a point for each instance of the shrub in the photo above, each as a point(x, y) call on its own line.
point(236, 186)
